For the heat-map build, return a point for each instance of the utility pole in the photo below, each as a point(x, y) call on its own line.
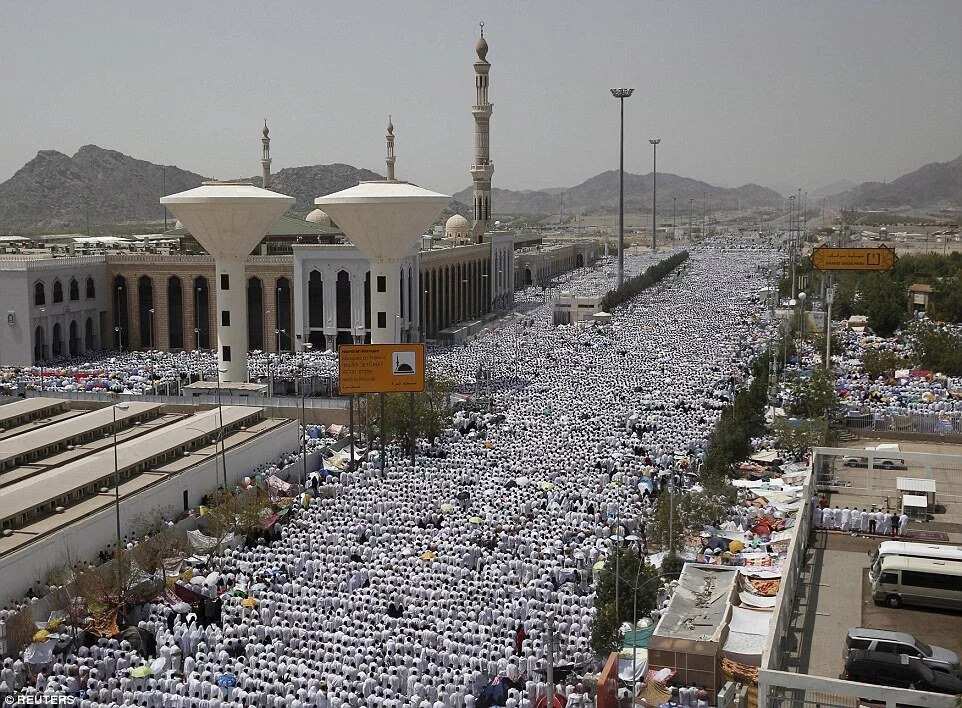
point(674, 213)
point(691, 206)
point(654, 193)
point(549, 657)
point(621, 94)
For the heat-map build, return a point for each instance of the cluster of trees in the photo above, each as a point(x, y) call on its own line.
point(408, 416)
point(813, 397)
point(938, 350)
point(634, 285)
point(883, 296)
point(730, 441)
point(637, 595)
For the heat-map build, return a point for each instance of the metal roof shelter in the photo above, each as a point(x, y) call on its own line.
point(692, 630)
point(31, 498)
point(31, 445)
point(27, 409)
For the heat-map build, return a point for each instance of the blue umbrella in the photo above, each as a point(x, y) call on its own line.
point(227, 680)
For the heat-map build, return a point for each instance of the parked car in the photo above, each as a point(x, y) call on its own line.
point(884, 463)
point(883, 640)
point(899, 671)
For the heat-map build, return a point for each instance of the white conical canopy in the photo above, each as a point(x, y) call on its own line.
point(384, 219)
point(228, 218)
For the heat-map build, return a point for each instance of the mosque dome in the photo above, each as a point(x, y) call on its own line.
point(456, 226)
point(318, 217)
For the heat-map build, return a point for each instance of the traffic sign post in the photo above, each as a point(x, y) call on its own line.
point(865, 259)
point(381, 368)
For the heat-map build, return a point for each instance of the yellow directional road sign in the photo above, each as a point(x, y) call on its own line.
point(381, 368)
point(827, 258)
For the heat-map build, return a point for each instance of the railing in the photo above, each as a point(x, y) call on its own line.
point(929, 423)
point(310, 403)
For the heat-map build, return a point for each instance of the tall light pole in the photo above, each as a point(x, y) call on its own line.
point(791, 238)
point(621, 94)
point(674, 214)
point(654, 192)
point(691, 207)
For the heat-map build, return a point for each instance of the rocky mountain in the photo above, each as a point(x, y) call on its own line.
point(105, 187)
point(599, 195)
point(830, 190)
point(935, 184)
point(55, 191)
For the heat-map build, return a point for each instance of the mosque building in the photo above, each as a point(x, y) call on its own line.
point(305, 282)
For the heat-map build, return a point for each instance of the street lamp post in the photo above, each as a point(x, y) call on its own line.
point(791, 238)
point(654, 193)
point(621, 94)
point(220, 414)
point(691, 206)
point(307, 346)
point(674, 214)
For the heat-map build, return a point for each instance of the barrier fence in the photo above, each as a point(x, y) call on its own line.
point(944, 424)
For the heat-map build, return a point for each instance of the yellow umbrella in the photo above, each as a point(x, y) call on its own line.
point(41, 636)
point(248, 602)
point(476, 520)
point(428, 556)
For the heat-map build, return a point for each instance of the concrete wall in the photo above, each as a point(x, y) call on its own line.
point(15, 340)
point(85, 538)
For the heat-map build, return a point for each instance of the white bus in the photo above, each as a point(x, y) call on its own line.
point(919, 581)
point(930, 551)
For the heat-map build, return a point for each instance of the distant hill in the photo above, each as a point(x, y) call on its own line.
point(831, 190)
point(935, 184)
point(599, 195)
point(54, 191)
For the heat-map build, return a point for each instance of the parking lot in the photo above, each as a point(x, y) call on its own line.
point(835, 596)
point(862, 488)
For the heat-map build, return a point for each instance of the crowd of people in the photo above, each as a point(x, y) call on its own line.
point(165, 373)
point(425, 585)
point(860, 521)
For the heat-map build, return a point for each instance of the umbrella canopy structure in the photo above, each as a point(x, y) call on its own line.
point(384, 219)
point(229, 219)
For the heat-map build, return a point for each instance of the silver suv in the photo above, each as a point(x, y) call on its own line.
point(902, 643)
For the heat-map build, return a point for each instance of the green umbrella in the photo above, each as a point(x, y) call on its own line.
point(140, 671)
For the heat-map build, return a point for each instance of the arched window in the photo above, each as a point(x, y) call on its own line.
point(74, 290)
point(342, 297)
point(175, 313)
point(57, 340)
point(89, 341)
point(284, 321)
point(201, 313)
point(39, 294)
point(39, 344)
point(255, 313)
point(315, 300)
point(121, 334)
point(145, 310)
point(73, 340)
point(91, 288)
point(57, 291)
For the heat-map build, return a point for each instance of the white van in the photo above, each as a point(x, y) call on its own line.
point(919, 581)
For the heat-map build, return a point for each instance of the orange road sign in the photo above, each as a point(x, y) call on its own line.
point(381, 368)
point(827, 258)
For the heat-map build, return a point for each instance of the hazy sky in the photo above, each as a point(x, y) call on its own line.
point(792, 93)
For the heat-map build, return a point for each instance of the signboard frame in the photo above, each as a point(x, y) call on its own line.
point(885, 255)
point(377, 368)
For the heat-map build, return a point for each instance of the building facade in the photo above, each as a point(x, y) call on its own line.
point(54, 307)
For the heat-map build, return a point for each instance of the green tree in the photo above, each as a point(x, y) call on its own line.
point(813, 397)
point(885, 303)
point(411, 415)
point(637, 593)
point(947, 299)
point(692, 510)
point(879, 362)
point(938, 350)
point(800, 437)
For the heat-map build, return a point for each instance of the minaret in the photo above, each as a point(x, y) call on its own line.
point(483, 168)
point(266, 157)
point(390, 148)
